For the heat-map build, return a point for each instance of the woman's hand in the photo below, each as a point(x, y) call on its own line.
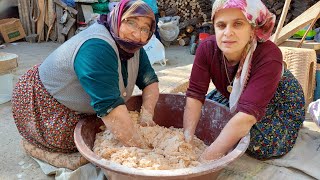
point(191, 118)
point(208, 155)
point(123, 127)
point(238, 126)
point(146, 118)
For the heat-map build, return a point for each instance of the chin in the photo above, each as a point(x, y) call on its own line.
point(228, 50)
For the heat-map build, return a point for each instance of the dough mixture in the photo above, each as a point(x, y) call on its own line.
point(170, 151)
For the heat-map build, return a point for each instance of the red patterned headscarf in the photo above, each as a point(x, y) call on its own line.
point(126, 9)
point(256, 13)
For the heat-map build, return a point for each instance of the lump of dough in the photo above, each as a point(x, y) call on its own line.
point(170, 151)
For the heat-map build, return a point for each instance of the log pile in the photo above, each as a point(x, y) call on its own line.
point(297, 7)
point(193, 13)
point(186, 9)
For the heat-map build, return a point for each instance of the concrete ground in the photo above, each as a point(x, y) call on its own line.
point(14, 163)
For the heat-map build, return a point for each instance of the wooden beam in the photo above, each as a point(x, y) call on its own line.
point(40, 22)
point(60, 36)
point(68, 26)
point(306, 44)
point(310, 27)
point(281, 21)
point(298, 23)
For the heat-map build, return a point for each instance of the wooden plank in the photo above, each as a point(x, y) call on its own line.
point(68, 25)
point(51, 27)
point(53, 34)
point(307, 44)
point(29, 31)
point(309, 28)
point(50, 13)
point(61, 37)
point(40, 22)
point(23, 15)
point(281, 21)
point(298, 23)
point(72, 32)
point(87, 12)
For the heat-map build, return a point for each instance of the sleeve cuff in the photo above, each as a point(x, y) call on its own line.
point(105, 111)
point(195, 96)
point(258, 113)
point(153, 80)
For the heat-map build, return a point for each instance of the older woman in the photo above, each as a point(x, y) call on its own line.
point(247, 71)
point(89, 77)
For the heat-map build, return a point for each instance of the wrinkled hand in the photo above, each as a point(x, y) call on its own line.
point(188, 131)
point(126, 132)
point(208, 155)
point(146, 118)
point(136, 139)
point(188, 135)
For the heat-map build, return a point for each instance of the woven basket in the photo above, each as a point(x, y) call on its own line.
point(8, 62)
point(302, 63)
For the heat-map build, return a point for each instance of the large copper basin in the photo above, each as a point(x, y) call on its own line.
point(168, 112)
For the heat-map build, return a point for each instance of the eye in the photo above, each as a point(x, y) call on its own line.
point(145, 30)
point(238, 24)
point(220, 25)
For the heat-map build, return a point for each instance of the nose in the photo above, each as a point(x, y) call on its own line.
point(136, 35)
point(228, 31)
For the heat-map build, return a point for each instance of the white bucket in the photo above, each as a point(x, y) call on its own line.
point(6, 86)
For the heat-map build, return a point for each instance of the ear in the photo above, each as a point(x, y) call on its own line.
point(252, 34)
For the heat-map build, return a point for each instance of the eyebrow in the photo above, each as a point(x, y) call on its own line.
point(237, 19)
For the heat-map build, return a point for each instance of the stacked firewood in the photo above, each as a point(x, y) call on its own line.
point(192, 13)
point(186, 9)
point(297, 7)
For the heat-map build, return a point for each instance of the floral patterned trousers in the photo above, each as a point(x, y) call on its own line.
point(276, 133)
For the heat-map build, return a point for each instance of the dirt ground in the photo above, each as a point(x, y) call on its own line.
point(14, 163)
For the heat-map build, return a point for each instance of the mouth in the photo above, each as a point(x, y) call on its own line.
point(228, 42)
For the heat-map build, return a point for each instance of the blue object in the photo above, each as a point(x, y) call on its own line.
point(317, 90)
point(70, 3)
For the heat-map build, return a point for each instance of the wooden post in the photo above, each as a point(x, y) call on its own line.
point(310, 27)
point(281, 21)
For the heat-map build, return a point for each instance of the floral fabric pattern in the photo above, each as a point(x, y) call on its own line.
point(276, 133)
point(40, 118)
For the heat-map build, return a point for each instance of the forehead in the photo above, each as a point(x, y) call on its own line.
point(229, 14)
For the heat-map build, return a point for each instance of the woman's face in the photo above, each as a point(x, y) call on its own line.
point(135, 29)
point(233, 32)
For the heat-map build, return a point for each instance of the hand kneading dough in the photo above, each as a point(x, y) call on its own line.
point(170, 151)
